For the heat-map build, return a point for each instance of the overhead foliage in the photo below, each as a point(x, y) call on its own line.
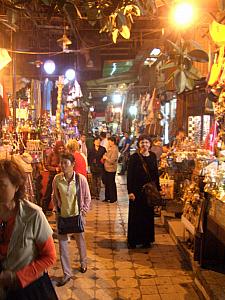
point(114, 16)
point(180, 61)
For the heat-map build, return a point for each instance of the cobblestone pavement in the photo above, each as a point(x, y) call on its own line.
point(114, 272)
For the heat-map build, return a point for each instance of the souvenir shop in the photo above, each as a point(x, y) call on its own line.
point(193, 170)
point(43, 113)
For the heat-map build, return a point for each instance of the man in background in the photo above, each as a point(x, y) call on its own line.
point(104, 140)
point(82, 143)
point(125, 153)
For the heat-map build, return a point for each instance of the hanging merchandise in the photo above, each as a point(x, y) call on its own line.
point(60, 84)
point(150, 109)
point(76, 90)
point(25, 161)
point(152, 121)
point(109, 113)
point(194, 128)
point(47, 95)
point(4, 58)
point(35, 98)
point(167, 186)
point(217, 32)
point(216, 69)
point(4, 96)
point(2, 109)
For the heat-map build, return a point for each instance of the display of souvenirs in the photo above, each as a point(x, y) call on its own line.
point(35, 149)
point(194, 128)
point(5, 151)
point(192, 204)
point(167, 186)
point(34, 145)
point(215, 180)
point(187, 145)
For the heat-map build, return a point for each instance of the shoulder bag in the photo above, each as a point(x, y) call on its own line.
point(40, 289)
point(152, 194)
point(72, 224)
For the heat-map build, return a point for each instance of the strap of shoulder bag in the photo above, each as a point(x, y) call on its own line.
point(145, 167)
point(77, 178)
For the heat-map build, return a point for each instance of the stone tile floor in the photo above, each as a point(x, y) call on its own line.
point(115, 272)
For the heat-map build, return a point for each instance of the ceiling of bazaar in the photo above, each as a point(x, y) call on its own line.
point(92, 35)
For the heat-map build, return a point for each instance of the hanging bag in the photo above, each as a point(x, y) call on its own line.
point(167, 187)
point(152, 194)
point(72, 224)
point(217, 68)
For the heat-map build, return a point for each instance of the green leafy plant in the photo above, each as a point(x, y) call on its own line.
point(180, 60)
point(114, 16)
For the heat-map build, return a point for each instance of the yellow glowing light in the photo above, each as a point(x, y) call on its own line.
point(183, 14)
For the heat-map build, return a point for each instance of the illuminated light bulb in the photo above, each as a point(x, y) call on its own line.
point(183, 14)
point(133, 110)
point(49, 66)
point(70, 74)
point(117, 98)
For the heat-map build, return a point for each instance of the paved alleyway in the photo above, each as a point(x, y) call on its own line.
point(114, 272)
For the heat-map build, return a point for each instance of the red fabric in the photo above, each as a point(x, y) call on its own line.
point(5, 234)
point(211, 138)
point(44, 182)
point(45, 175)
point(5, 98)
point(80, 164)
point(46, 258)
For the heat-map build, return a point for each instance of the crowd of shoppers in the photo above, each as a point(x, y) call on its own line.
point(26, 244)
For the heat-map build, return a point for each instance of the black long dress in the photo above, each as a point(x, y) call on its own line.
point(141, 216)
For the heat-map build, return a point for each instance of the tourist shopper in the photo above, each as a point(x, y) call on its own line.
point(125, 153)
point(96, 167)
point(80, 165)
point(104, 140)
point(83, 146)
point(110, 166)
point(26, 244)
point(179, 139)
point(141, 216)
point(71, 197)
point(52, 165)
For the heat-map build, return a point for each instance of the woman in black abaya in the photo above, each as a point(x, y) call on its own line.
point(141, 216)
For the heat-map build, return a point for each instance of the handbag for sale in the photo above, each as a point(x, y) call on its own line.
point(152, 194)
point(167, 186)
point(72, 224)
point(40, 289)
